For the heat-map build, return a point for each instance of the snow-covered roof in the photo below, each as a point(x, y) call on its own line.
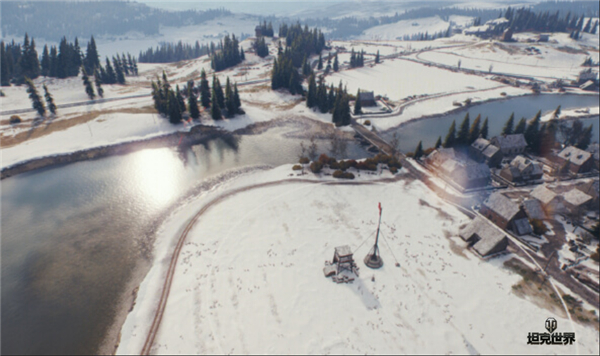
point(534, 209)
point(510, 141)
point(594, 149)
point(576, 197)
point(480, 144)
point(543, 194)
point(489, 235)
point(522, 163)
point(498, 21)
point(574, 155)
point(502, 206)
point(490, 151)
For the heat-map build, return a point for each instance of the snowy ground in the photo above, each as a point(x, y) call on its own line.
point(398, 30)
point(254, 284)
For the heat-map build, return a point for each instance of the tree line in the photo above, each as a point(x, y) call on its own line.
point(168, 52)
point(333, 100)
point(229, 54)
point(172, 103)
point(21, 61)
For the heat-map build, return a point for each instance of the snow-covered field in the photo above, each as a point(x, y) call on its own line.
point(249, 278)
point(397, 30)
point(560, 58)
point(398, 79)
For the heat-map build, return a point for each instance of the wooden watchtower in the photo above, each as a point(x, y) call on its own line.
point(343, 257)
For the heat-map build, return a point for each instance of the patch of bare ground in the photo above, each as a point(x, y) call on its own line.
point(508, 49)
point(571, 50)
point(270, 106)
point(45, 127)
point(441, 213)
point(535, 288)
point(256, 88)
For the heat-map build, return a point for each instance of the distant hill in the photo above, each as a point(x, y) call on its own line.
point(52, 20)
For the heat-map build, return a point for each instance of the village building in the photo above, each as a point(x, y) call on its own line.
point(483, 237)
point(534, 210)
point(594, 149)
point(591, 188)
point(367, 98)
point(510, 145)
point(551, 201)
point(522, 169)
point(507, 35)
point(464, 172)
point(576, 200)
point(506, 214)
point(580, 161)
point(543, 37)
point(483, 151)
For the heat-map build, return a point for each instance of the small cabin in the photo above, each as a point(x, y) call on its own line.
point(367, 98)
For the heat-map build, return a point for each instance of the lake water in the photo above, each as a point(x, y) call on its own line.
point(428, 130)
point(73, 235)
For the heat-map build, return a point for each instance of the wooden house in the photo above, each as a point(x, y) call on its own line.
point(367, 98)
point(483, 151)
point(580, 161)
point(505, 213)
point(522, 169)
point(552, 202)
point(484, 238)
point(510, 145)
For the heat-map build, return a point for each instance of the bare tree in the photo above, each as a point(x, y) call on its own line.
point(339, 146)
point(312, 149)
point(395, 144)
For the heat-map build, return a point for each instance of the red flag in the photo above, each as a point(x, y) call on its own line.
point(379, 208)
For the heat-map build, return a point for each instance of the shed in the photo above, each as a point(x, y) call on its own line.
point(534, 210)
point(484, 238)
point(367, 98)
point(543, 37)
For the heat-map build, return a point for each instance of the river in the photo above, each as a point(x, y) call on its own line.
point(73, 235)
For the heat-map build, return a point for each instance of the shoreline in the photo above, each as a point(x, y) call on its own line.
point(197, 134)
point(201, 133)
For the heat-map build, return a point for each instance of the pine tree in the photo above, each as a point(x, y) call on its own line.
point(36, 101)
point(377, 57)
point(98, 82)
point(120, 75)
point(532, 132)
point(218, 91)
point(585, 138)
point(508, 127)
point(320, 65)
point(49, 100)
point(419, 151)
point(336, 65)
point(204, 90)
point(521, 125)
point(438, 143)
point(89, 89)
point(474, 131)
point(462, 138)
point(236, 100)
point(193, 103)
point(451, 136)
point(215, 110)
point(556, 113)
point(180, 100)
point(242, 55)
point(45, 62)
point(484, 129)
point(174, 108)
point(357, 104)
point(5, 74)
point(588, 26)
point(311, 96)
point(111, 77)
point(229, 103)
